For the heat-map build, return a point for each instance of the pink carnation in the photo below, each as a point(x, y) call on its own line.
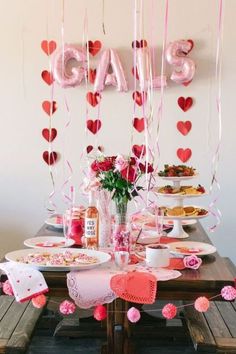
point(169, 311)
point(67, 307)
point(228, 293)
point(39, 301)
point(133, 315)
point(7, 288)
point(201, 304)
point(192, 262)
point(121, 163)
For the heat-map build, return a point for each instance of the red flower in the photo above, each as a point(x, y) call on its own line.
point(142, 168)
point(103, 166)
point(129, 173)
point(132, 161)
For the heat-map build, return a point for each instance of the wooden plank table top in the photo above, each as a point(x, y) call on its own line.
point(208, 280)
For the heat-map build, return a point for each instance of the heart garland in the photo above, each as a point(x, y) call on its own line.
point(184, 127)
point(139, 97)
point(92, 75)
point(135, 72)
point(49, 107)
point(184, 154)
point(139, 124)
point(93, 98)
point(139, 150)
point(94, 125)
point(48, 46)
point(94, 47)
point(49, 135)
point(90, 148)
point(50, 158)
point(139, 44)
point(185, 103)
point(47, 77)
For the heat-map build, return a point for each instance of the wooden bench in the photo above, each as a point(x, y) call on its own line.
point(17, 323)
point(215, 330)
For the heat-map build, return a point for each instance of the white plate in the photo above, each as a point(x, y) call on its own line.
point(198, 248)
point(53, 222)
point(179, 196)
point(102, 258)
point(187, 217)
point(184, 222)
point(178, 179)
point(49, 241)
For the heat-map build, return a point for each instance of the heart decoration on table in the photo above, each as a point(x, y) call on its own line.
point(184, 154)
point(139, 124)
point(94, 125)
point(48, 46)
point(184, 127)
point(49, 135)
point(139, 150)
point(139, 97)
point(135, 72)
point(92, 75)
point(94, 47)
point(139, 44)
point(50, 158)
point(47, 77)
point(138, 287)
point(93, 98)
point(185, 103)
point(49, 107)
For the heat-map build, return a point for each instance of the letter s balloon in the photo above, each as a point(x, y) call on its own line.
point(184, 67)
point(62, 73)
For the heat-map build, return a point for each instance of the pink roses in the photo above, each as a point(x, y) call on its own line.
point(192, 262)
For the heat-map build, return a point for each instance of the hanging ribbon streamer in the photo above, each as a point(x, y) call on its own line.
point(213, 209)
point(67, 165)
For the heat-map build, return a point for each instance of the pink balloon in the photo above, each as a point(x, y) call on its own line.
point(117, 78)
point(184, 67)
point(144, 68)
point(62, 73)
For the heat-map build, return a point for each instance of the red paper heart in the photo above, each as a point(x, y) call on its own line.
point(187, 83)
point(138, 287)
point(94, 125)
point(139, 124)
point(49, 135)
point(136, 73)
point(139, 150)
point(139, 44)
point(184, 127)
point(185, 103)
point(93, 98)
point(92, 75)
point(50, 158)
point(94, 47)
point(139, 97)
point(184, 154)
point(48, 46)
point(192, 44)
point(47, 107)
point(101, 148)
point(47, 77)
point(89, 148)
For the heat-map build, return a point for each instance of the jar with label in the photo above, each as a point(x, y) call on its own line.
point(73, 224)
point(91, 223)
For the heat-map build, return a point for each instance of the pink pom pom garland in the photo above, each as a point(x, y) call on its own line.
point(228, 293)
point(133, 315)
point(100, 313)
point(201, 304)
point(169, 311)
point(39, 301)
point(67, 307)
point(7, 288)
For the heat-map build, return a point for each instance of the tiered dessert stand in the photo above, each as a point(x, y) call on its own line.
point(178, 231)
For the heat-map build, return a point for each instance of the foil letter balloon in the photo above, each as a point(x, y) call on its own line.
point(65, 74)
point(117, 78)
point(144, 68)
point(184, 67)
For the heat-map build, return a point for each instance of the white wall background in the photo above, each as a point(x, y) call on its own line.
point(24, 179)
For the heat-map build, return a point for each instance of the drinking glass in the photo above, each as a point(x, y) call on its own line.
point(159, 213)
point(121, 243)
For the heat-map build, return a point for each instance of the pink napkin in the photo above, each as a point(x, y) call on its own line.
point(26, 282)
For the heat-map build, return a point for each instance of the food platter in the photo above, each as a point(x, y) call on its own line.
point(49, 241)
point(76, 259)
point(187, 248)
point(186, 217)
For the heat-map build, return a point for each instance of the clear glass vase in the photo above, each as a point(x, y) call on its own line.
point(105, 218)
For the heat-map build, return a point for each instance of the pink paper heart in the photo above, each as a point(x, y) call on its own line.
point(139, 124)
point(48, 46)
point(184, 154)
point(139, 150)
point(184, 127)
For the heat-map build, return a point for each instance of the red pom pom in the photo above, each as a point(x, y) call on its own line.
point(7, 288)
point(201, 304)
point(39, 301)
point(100, 313)
point(169, 311)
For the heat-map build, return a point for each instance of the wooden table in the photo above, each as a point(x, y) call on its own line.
point(207, 281)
